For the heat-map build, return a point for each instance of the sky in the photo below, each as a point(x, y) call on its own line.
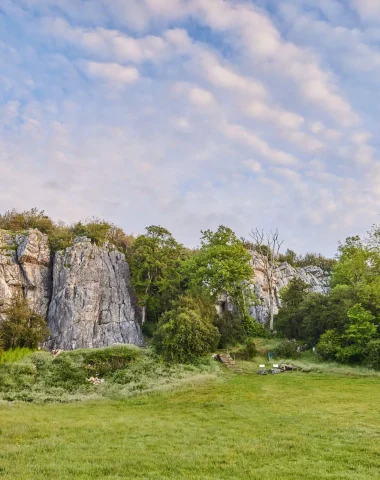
point(194, 113)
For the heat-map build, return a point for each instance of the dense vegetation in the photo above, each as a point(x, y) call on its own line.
point(344, 324)
point(114, 372)
point(177, 289)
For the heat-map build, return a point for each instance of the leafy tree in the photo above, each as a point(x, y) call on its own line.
point(231, 329)
point(185, 333)
point(359, 332)
point(289, 320)
point(221, 267)
point(329, 345)
point(22, 327)
point(155, 259)
point(289, 256)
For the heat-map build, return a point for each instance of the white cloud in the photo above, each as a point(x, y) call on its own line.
point(111, 72)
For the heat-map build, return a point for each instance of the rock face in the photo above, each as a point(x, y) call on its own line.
point(92, 303)
point(84, 292)
point(314, 276)
point(25, 267)
point(33, 256)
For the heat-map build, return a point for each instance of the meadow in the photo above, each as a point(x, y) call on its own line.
point(278, 427)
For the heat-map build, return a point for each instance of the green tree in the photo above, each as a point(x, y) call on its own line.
point(289, 320)
point(185, 332)
point(22, 327)
point(221, 268)
point(155, 260)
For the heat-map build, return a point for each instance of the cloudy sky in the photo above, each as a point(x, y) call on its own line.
point(193, 113)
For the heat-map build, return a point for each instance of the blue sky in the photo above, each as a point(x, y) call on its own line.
point(194, 113)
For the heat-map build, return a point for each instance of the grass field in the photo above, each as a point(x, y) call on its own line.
point(280, 427)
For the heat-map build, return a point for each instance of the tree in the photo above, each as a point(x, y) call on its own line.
point(155, 260)
point(221, 267)
point(185, 332)
point(267, 247)
point(22, 327)
point(289, 320)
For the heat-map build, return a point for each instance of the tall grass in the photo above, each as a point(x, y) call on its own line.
point(15, 354)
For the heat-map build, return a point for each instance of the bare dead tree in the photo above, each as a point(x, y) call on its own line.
point(267, 246)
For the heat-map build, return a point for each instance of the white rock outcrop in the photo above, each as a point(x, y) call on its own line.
point(284, 273)
point(84, 291)
point(92, 302)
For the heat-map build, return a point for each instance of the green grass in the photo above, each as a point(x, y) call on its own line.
point(280, 427)
point(15, 354)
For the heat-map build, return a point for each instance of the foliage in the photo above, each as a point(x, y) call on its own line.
point(289, 349)
point(372, 354)
point(20, 221)
point(253, 328)
point(22, 327)
point(221, 267)
point(15, 354)
point(124, 369)
point(328, 345)
point(231, 329)
point(314, 259)
point(247, 351)
point(155, 259)
point(184, 333)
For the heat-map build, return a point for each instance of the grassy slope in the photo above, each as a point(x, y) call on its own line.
point(288, 426)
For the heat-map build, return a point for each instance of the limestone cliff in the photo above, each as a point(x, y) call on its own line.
point(314, 276)
point(92, 302)
point(83, 291)
point(25, 267)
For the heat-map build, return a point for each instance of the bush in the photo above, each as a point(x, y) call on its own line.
point(253, 328)
point(372, 355)
point(328, 345)
point(22, 327)
point(230, 328)
point(289, 349)
point(183, 334)
point(248, 351)
point(149, 328)
point(20, 221)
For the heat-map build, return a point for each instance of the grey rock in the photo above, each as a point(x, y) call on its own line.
point(11, 278)
point(33, 255)
point(92, 302)
point(314, 276)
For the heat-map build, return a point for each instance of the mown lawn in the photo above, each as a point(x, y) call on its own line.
point(289, 426)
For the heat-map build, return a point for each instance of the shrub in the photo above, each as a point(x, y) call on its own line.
point(230, 328)
point(22, 327)
point(253, 328)
point(149, 329)
point(328, 345)
point(103, 361)
point(183, 334)
point(372, 355)
point(289, 349)
point(19, 221)
point(248, 351)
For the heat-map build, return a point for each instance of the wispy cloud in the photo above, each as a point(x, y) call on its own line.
point(192, 113)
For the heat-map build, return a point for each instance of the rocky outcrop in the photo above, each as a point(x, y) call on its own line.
point(314, 276)
point(33, 256)
point(83, 291)
point(92, 302)
point(25, 268)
